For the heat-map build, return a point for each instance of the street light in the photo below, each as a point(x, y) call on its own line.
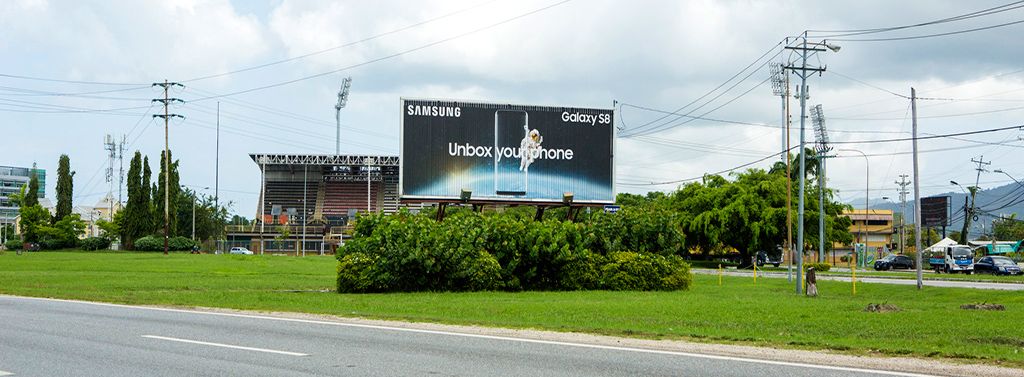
point(867, 194)
point(194, 198)
point(1008, 175)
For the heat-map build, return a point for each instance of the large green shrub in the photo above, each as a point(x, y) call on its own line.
point(411, 253)
point(628, 271)
point(470, 251)
point(14, 244)
point(156, 243)
point(638, 229)
point(94, 243)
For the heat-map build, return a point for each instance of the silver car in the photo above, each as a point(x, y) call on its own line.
point(240, 250)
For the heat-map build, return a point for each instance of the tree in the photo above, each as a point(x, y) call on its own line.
point(146, 195)
point(32, 218)
point(158, 199)
point(32, 194)
point(63, 234)
point(1008, 228)
point(749, 213)
point(65, 188)
point(17, 198)
point(134, 223)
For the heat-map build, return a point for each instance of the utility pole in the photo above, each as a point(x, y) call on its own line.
point(917, 193)
point(822, 147)
point(120, 161)
point(110, 146)
point(903, 211)
point(780, 87)
point(804, 71)
point(167, 101)
point(216, 168)
point(346, 83)
point(974, 193)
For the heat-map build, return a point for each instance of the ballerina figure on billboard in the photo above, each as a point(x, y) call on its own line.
point(529, 147)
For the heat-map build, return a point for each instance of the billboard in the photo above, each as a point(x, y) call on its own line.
point(504, 152)
point(935, 211)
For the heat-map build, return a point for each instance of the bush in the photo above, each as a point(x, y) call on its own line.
point(819, 267)
point(13, 244)
point(155, 243)
point(628, 271)
point(94, 243)
point(471, 251)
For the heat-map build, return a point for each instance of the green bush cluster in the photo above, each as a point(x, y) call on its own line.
point(153, 243)
point(94, 243)
point(13, 244)
point(470, 252)
point(819, 267)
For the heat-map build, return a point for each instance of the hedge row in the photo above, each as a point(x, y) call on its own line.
point(89, 243)
point(153, 243)
point(470, 252)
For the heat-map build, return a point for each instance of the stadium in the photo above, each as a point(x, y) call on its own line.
point(311, 199)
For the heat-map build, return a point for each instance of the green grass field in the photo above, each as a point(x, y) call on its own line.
point(911, 274)
point(930, 322)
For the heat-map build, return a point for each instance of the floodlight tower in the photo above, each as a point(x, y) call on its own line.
point(821, 146)
point(780, 87)
point(346, 83)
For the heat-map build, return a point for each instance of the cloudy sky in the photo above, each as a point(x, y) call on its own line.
point(74, 71)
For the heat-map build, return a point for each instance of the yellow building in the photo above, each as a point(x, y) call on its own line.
point(874, 227)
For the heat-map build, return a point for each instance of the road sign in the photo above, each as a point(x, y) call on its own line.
point(612, 208)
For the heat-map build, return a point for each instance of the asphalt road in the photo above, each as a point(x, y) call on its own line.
point(41, 337)
point(879, 280)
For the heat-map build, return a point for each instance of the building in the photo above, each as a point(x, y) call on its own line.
point(12, 179)
point(312, 198)
point(874, 227)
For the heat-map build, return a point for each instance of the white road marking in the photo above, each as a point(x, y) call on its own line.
point(493, 337)
point(2, 373)
point(224, 345)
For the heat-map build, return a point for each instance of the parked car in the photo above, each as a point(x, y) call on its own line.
point(763, 258)
point(893, 261)
point(997, 265)
point(240, 250)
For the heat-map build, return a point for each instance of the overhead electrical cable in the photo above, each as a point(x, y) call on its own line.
point(390, 56)
point(349, 44)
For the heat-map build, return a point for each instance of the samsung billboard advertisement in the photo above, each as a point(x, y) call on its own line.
point(504, 152)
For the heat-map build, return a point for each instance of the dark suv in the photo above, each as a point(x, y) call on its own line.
point(893, 261)
point(763, 258)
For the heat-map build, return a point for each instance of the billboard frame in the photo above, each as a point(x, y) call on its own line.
point(402, 197)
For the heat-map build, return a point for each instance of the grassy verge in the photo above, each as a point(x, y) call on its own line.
point(911, 274)
point(929, 323)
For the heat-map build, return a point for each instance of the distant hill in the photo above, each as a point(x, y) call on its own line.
point(999, 201)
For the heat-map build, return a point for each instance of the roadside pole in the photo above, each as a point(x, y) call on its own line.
point(917, 193)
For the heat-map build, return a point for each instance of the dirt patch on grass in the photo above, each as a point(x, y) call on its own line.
point(881, 308)
point(983, 306)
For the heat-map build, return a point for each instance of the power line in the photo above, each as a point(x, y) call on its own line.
point(349, 44)
point(70, 81)
point(390, 56)
point(928, 35)
point(665, 124)
point(980, 13)
point(935, 136)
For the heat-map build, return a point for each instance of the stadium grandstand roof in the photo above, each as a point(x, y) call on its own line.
point(322, 159)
